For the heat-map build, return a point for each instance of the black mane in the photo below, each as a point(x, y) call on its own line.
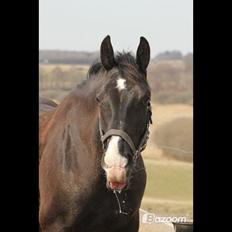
point(124, 62)
point(94, 69)
point(123, 58)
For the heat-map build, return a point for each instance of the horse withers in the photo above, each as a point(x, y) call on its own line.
point(91, 172)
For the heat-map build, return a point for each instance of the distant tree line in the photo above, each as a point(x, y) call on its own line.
point(78, 57)
point(67, 57)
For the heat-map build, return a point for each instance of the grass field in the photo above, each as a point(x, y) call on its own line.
point(169, 189)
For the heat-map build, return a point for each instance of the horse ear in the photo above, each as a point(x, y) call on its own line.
point(107, 53)
point(143, 54)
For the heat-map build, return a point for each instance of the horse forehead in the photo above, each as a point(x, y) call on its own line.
point(121, 84)
point(121, 88)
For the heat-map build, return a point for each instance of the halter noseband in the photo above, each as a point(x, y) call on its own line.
point(126, 138)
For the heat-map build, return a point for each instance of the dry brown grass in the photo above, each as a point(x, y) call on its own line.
point(161, 115)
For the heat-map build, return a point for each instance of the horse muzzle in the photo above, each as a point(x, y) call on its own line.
point(115, 178)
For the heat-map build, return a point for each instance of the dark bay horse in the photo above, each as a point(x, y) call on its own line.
point(91, 173)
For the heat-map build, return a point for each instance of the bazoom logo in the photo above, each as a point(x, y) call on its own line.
point(149, 218)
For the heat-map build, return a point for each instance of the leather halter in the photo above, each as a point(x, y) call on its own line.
point(126, 138)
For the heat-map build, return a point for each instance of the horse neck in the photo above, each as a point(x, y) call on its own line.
point(78, 114)
point(85, 132)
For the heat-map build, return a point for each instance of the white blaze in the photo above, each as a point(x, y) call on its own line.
point(121, 84)
point(112, 156)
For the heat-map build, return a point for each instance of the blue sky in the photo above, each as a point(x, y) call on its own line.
point(82, 24)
